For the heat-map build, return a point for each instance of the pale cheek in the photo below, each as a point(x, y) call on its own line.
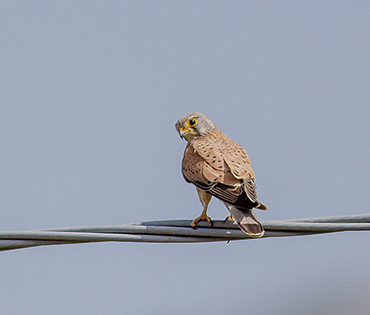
point(190, 136)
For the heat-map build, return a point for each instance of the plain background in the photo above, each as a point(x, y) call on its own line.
point(90, 92)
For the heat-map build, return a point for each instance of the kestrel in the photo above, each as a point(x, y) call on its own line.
point(219, 167)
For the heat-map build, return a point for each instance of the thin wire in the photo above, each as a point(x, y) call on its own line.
point(179, 231)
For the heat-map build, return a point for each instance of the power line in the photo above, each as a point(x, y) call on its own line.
point(179, 231)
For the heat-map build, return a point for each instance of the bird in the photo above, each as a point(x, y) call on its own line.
point(219, 167)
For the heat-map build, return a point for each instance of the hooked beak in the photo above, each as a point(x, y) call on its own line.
point(183, 132)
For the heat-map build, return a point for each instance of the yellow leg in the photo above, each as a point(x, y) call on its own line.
point(204, 198)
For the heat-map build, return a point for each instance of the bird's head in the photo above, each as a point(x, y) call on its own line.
point(194, 125)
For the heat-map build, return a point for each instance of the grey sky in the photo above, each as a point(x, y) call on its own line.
point(90, 92)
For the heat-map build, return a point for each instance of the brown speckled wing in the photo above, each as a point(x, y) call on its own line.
point(197, 171)
point(237, 159)
point(226, 155)
point(217, 164)
point(211, 149)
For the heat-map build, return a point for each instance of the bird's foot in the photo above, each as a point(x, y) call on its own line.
point(201, 218)
point(229, 218)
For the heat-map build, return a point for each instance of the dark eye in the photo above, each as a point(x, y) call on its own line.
point(192, 122)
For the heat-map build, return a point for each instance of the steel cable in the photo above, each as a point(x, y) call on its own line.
point(179, 231)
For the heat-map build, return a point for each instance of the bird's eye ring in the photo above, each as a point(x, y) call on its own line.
point(192, 122)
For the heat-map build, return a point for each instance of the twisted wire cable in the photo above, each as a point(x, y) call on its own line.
point(179, 231)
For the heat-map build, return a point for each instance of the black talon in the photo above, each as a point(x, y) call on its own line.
point(229, 218)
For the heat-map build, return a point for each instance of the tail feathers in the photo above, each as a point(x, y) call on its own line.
point(246, 220)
